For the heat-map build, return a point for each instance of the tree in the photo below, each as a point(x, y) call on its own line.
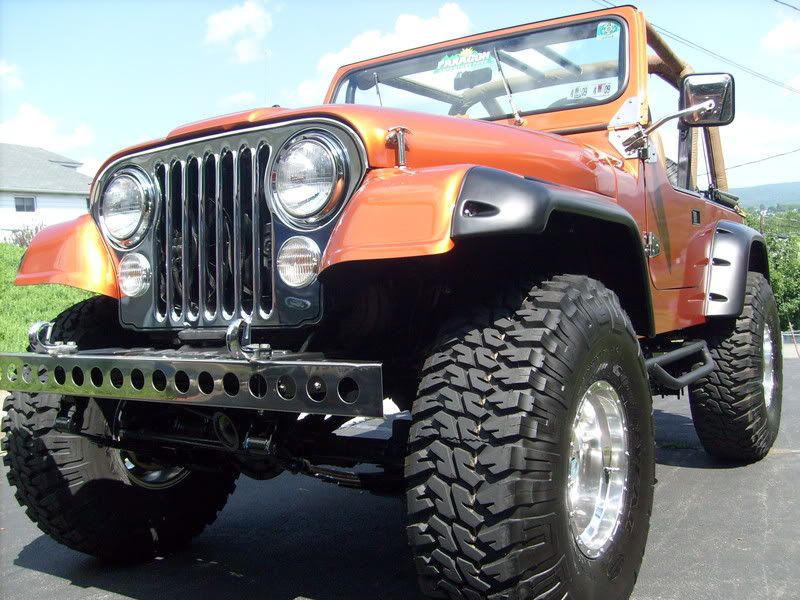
point(782, 233)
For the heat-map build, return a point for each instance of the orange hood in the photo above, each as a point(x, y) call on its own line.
point(433, 140)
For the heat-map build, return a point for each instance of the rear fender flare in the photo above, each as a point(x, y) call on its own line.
point(735, 250)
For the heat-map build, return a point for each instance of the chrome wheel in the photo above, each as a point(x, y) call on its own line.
point(150, 474)
point(768, 357)
point(598, 469)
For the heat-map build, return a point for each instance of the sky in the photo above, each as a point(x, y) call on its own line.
point(85, 78)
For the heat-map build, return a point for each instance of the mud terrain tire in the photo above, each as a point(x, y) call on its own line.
point(80, 493)
point(489, 450)
point(729, 407)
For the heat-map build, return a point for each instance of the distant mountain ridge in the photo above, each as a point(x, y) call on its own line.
point(769, 194)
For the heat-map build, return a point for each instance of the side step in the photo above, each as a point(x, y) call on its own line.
point(655, 365)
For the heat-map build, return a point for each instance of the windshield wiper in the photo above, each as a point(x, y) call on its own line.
point(377, 87)
point(517, 118)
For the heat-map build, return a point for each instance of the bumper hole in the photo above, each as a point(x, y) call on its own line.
point(316, 389)
point(58, 373)
point(230, 383)
point(258, 386)
point(27, 373)
point(116, 378)
point(77, 376)
point(159, 380)
point(42, 374)
point(205, 382)
point(182, 382)
point(348, 390)
point(12, 373)
point(137, 379)
point(96, 377)
point(286, 387)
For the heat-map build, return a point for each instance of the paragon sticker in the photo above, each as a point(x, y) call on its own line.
point(607, 29)
point(467, 59)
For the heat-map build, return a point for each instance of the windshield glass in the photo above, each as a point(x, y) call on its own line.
point(565, 67)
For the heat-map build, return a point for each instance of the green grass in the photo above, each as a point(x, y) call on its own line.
point(22, 305)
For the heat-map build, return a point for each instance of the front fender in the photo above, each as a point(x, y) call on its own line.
point(71, 253)
point(397, 213)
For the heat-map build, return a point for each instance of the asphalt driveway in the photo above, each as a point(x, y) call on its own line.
point(717, 532)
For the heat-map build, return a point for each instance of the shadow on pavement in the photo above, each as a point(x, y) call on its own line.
point(677, 443)
point(282, 539)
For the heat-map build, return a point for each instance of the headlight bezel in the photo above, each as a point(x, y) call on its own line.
point(330, 207)
point(147, 187)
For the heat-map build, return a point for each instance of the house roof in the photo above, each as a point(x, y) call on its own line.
point(29, 169)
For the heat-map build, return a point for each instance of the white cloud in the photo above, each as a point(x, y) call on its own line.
point(785, 37)
point(409, 31)
point(243, 27)
point(32, 127)
point(245, 98)
point(9, 76)
point(89, 166)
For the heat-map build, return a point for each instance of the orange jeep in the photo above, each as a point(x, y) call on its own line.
point(499, 245)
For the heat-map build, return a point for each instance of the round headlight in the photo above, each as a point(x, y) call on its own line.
point(298, 261)
point(134, 274)
point(307, 178)
point(125, 207)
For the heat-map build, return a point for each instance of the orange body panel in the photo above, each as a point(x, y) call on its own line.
point(397, 213)
point(71, 253)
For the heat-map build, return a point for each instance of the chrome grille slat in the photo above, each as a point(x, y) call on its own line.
point(185, 240)
point(237, 236)
point(168, 279)
point(218, 236)
point(256, 235)
point(202, 258)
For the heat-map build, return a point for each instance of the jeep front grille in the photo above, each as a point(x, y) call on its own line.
point(212, 250)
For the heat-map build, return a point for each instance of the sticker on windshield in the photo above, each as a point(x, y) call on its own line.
point(601, 89)
point(467, 59)
point(607, 29)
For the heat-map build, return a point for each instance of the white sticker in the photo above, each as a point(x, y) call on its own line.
point(607, 30)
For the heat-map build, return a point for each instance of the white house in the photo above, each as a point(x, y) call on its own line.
point(38, 187)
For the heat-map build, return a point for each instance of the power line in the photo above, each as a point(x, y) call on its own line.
point(759, 160)
point(792, 6)
point(698, 47)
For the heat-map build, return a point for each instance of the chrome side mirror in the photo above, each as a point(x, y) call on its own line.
point(699, 88)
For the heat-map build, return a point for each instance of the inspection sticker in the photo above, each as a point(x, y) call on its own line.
point(600, 89)
point(467, 59)
point(607, 29)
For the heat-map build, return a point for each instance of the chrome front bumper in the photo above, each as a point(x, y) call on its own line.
point(288, 382)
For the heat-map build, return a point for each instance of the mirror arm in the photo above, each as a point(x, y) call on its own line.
point(703, 106)
point(638, 140)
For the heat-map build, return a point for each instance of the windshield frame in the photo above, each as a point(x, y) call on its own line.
point(624, 60)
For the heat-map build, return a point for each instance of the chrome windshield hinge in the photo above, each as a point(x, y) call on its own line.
point(652, 247)
point(396, 136)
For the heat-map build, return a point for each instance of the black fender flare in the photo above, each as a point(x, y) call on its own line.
point(494, 202)
point(735, 250)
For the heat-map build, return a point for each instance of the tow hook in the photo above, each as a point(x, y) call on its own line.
point(39, 339)
point(239, 344)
